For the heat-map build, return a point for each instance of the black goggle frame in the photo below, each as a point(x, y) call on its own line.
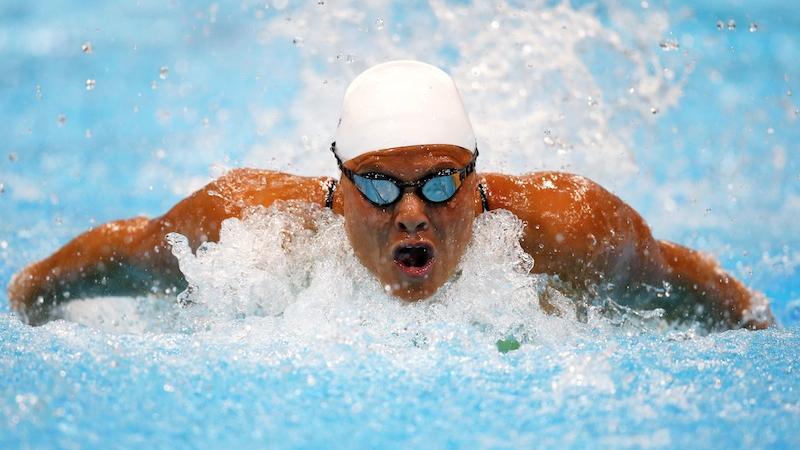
point(417, 185)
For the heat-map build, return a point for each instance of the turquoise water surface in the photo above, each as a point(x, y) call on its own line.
point(688, 111)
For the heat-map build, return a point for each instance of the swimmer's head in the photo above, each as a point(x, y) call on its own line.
point(409, 191)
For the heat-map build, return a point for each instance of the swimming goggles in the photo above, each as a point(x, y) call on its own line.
point(383, 190)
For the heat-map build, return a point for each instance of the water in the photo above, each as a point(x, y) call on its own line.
point(693, 123)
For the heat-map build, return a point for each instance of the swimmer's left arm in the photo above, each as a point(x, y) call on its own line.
point(588, 236)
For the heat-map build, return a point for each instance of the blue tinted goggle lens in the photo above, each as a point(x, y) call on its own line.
point(383, 192)
point(380, 192)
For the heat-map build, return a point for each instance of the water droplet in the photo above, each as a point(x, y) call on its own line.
point(770, 130)
point(61, 120)
point(38, 92)
point(87, 134)
point(788, 92)
point(161, 153)
point(87, 48)
point(669, 45)
point(653, 110)
point(495, 24)
point(590, 101)
point(731, 24)
point(720, 25)
point(90, 83)
point(297, 41)
point(168, 387)
point(753, 27)
point(154, 85)
point(163, 72)
point(2, 187)
point(12, 156)
point(379, 24)
point(321, 2)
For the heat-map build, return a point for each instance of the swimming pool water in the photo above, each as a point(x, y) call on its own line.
point(691, 118)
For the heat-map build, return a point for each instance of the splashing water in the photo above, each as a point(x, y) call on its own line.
point(537, 72)
point(284, 339)
point(290, 271)
point(284, 331)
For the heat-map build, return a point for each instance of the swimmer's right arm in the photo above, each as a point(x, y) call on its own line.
point(130, 257)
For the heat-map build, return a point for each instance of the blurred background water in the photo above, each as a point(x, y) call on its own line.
point(687, 110)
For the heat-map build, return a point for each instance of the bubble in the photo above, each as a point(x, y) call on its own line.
point(653, 110)
point(591, 101)
point(720, 25)
point(669, 45)
point(154, 85)
point(753, 27)
point(37, 92)
point(379, 24)
point(61, 120)
point(731, 25)
point(90, 83)
point(2, 187)
point(163, 72)
point(12, 156)
point(87, 48)
point(87, 134)
point(495, 24)
point(297, 40)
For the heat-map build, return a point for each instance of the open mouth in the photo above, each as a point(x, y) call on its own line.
point(415, 260)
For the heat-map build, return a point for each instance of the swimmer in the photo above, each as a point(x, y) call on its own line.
point(409, 194)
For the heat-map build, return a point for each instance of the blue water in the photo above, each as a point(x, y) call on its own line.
point(701, 139)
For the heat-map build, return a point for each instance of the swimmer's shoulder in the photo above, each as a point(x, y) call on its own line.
point(258, 187)
point(539, 192)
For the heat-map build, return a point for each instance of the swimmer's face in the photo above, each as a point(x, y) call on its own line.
point(412, 246)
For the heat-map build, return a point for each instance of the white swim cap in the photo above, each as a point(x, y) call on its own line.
point(401, 103)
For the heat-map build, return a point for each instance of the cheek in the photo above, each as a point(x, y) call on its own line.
point(454, 229)
point(366, 226)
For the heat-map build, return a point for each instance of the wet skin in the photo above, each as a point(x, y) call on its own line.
point(574, 229)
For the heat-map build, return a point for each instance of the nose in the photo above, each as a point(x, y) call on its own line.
point(410, 214)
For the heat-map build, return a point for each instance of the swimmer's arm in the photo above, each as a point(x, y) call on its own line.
point(587, 236)
point(130, 257)
point(700, 279)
